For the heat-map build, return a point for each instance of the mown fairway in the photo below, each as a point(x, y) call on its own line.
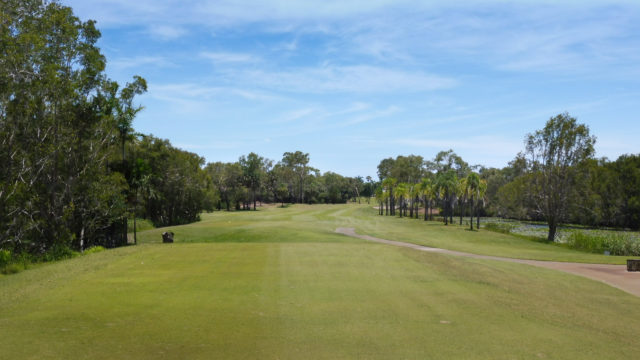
point(279, 283)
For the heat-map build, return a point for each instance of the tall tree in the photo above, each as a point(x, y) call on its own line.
point(473, 187)
point(253, 169)
point(554, 154)
point(298, 163)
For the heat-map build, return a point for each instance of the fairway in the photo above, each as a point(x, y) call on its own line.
point(281, 284)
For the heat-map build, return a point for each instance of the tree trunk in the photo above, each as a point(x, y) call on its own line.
point(445, 210)
point(451, 211)
point(460, 206)
point(400, 202)
point(471, 214)
point(478, 221)
point(411, 209)
point(553, 228)
point(426, 208)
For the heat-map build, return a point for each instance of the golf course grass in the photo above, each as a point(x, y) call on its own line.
point(281, 284)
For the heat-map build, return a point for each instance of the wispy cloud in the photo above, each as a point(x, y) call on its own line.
point(228, 57)
point(167, 32)
point(355, 79)
point(140, 61)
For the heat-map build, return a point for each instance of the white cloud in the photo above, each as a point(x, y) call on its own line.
point(228, 57)
point(138, 61)
point(167, 32)
point(351, 79)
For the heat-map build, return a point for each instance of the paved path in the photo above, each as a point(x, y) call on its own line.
point(614, 275)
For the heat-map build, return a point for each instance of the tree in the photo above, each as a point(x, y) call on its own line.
point(447, 183)
point(554, 154)
point(298, 163)
point(388, 185)
point(56, 129)
point(473, 188)
point(402, 191)
point(425, 188)
point(461, 195)
point(253, 168)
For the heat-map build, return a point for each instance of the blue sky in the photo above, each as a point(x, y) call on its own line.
point(353, 82)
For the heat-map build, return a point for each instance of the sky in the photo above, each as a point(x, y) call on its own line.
point(353, 82)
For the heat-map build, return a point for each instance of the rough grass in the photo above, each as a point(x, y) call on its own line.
point(304, 292)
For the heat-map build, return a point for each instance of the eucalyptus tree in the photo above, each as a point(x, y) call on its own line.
point(253, 169)
point(298, 163)
point(55, 189)
point(554, 155)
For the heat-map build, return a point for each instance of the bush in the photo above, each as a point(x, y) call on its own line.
point(93, 249)
point(621, 243)
point(5, 257)
point(59, 252)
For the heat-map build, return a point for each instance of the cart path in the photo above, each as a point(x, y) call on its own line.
point(614, 275)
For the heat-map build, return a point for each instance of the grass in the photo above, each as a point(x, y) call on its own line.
point(141, 225)
point(616, 242)
point(312, 223)
point(301, 291)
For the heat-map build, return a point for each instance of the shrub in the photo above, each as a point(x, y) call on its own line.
point(11, 269)
point(93, 249)
point(619, 243)
point(59, 252)
point(5, 257)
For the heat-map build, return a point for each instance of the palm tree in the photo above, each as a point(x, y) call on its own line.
point(402, 190)
point(482, 189)
point(380, 197)
point(447, 183)
point(388, 184)
point(426, 190)
point(414, 193)
point(461, 194)
point(473, 187)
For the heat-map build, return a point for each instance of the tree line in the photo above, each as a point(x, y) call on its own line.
point(556, 179)
point(73, 169)
point(253, 178)
point(446, 183)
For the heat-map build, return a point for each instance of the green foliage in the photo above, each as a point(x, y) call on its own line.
point(93, 249)
point(141, 225)
point(58, 252)
point(58, 123)
point(598, 242)
point(5, 257)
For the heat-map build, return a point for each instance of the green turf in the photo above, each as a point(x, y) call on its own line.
point(302, 292)
point(306, 223)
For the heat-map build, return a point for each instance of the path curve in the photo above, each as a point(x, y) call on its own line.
point(614, 275)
